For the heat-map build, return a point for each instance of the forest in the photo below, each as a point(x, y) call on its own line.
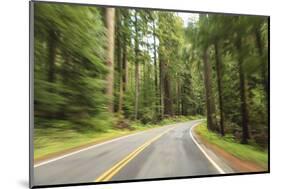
point(101, 68)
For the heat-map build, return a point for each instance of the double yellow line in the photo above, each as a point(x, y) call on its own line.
point(117, 167)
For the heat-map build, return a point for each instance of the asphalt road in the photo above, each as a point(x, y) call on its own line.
point(167, 151)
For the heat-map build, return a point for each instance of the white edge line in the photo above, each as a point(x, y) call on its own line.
point(204, 152)
point(84, 149)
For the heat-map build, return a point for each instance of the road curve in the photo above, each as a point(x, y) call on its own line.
point(167, 151)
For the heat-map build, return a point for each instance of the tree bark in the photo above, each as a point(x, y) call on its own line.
point(220, 87)
point(136, 67)
point(155, 68)
point(125, 66)
point(178, 97)
point(161, 85)
point(120, 63)
point(264, 66)
point(168, 103)
point(124, 56)
point(208, 90)
point(243, 98)
point(109, 20)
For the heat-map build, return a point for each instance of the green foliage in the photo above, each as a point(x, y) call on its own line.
point(70, 70)
point(211, 30)
point(71, 39)
point(229, 144)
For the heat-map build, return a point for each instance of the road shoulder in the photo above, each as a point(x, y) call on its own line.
point(228, 162)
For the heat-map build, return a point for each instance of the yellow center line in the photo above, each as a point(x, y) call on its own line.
point(106, 176)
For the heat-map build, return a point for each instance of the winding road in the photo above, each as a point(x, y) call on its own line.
point(168, 151)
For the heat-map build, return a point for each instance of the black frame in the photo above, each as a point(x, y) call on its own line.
point(31, 86)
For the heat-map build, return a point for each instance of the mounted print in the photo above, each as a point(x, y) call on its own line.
point(124, 94)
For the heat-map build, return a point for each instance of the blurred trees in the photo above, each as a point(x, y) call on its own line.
point(70, 45)
point(109, 23)
point(97, 68)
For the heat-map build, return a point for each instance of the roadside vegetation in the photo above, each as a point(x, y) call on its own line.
point(61, 138)
point(251, 152)
point(103, 72)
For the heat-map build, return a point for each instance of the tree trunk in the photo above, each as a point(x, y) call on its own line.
point(136, 67)
point(168, 103)
point(178, 97)
point(155, 69)
point(109, 20)
point(144, 84)
point(220, 87)
point(118, 36)
point(264, 65)
point(183, 96)
point(125, 66)
point(120, 63)
point(243, 98)
point(161, 86)
point(121, 92)
point(208, 90)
